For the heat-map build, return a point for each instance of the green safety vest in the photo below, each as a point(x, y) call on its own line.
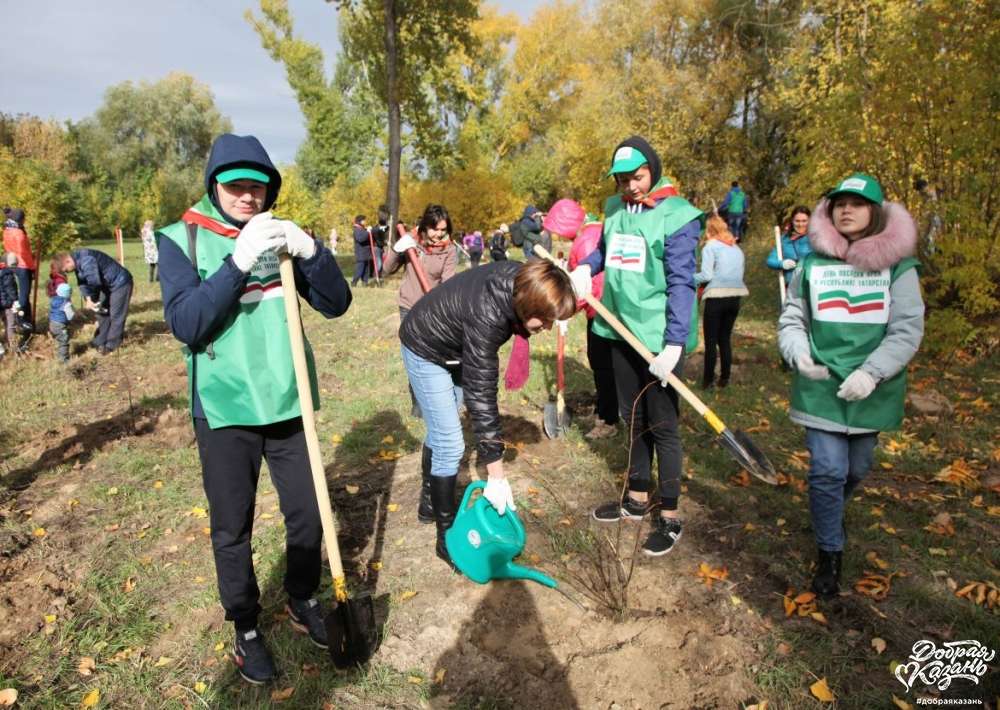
point(737, 202)
point(635, 288)
point(849, 312)
point(246, 378)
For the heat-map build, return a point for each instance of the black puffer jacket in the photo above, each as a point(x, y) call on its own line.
point(461, 324)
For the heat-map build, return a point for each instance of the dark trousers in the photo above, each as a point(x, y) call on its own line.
point(23, 277)
point(153, 276)
point(655, 427)
point(599, 358)
point(60, 333)
point(360, 272)
point(230, 469)
point(718, 319)
point(111, 327)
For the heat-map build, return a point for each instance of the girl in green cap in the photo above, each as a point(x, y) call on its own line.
point(853, 320)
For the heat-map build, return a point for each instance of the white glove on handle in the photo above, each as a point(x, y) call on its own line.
point(261, 234)
point(809, 369)
point(664, 363)
point(580, 278)
point(858, 385)
point(403, 243)
point(788, 264)
point(297, 242)
point(498, 493)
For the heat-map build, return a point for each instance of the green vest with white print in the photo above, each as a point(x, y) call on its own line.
point(849, 315)
point(635, 287)
point(246, 377)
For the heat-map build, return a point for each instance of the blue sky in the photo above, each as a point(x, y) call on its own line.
point(63, 55)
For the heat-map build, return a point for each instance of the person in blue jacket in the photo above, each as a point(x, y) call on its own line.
point(102, 280)
point(223, 300)
point(794, 244)
point(736, 205)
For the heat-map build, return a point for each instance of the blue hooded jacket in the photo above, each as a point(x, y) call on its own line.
point(97, 273)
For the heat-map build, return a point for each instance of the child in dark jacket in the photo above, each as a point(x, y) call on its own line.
point(60, 315)
point(8, 305)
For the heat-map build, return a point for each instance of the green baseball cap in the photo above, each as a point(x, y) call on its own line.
point(861, 185)
point(626, 160)
point(242, 174)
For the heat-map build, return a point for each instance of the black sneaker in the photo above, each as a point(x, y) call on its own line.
point(252, 657)
point(306, 617)
point(666, 532)
point(624, 509)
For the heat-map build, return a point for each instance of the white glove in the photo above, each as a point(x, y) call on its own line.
point(858, 385)
point(403, 243)
point(580, 278)
point(297, 242)
point(498, 493)
point(809, 369)
point(788, 264)
point(664, 363)
point(261, 234)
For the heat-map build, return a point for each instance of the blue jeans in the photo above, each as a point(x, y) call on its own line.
point(838, 463)
point(737, 224)
point(439, 399)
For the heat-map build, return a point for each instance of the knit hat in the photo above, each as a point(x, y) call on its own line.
point(859, 184)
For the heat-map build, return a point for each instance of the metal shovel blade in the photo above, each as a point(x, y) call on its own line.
point(351, 632)
point(550, 421)
point(748, 455)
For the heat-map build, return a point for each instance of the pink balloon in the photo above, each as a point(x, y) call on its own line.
point(564, 218)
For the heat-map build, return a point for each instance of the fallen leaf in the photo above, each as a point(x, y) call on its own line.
point(8, 696)
point(280, 696)
point(129, 585)
point(805, 598)
point(392, 507)
point(742, 479)
point(113, 491)
point(532, 491)
point(50, 618)
point(111, 527)
point(352, 489)
point(414, 679)
point(200, 687)
point(375, 565)
point(439, 676)
point(901, 704)
point(163, 661)
point(219, 646)
point(91, 699)
point(86, 666)
point(762, 705)
point(336, 438)
point(960, 474)
point(941, 525)
point(937, 551)
point(158, 484)
point(879, 645)
point(873, 557)
point(709, 575)
point(39, 532)
point(784, 649)
point(822, 691)
point(408, 594)
point(388, 439)
point(874, 585)
point(199, 512)
point(818, 616)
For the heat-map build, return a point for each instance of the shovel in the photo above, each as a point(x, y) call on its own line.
point(746, 453)
point(555, 419)
point(350, 626)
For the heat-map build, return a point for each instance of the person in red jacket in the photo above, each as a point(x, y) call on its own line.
point(15, 241)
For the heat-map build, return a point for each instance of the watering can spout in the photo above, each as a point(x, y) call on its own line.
point(515, 571)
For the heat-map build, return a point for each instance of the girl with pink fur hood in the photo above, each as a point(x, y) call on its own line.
point(853, 320)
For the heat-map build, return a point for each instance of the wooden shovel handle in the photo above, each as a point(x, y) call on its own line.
point(291, 298)
point(620, 328)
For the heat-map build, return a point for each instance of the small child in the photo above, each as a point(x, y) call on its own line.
point(60, 314)
point(852, 322)
point(8, 302)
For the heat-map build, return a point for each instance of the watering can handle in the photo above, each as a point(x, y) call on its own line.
point(474, 486)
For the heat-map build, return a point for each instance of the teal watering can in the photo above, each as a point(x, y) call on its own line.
point(482, 543)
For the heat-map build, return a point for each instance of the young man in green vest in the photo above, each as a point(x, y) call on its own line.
point(647, 253)
point(736, 205)
point(852, 321)
point(222, 298)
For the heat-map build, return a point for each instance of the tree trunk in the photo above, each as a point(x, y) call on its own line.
point(392, 101)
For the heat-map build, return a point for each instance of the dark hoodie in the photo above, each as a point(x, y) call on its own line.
point(197, 311)
point(531, 229)
point(678, 251)
point(228, 152)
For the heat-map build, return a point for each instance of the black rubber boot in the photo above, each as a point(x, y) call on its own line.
point(826, 583)
point(425, 511)
point(443, 501)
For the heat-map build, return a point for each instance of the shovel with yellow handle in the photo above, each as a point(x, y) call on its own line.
point(737, 443)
